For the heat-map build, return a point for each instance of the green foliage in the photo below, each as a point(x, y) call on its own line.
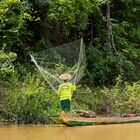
point(7, 69)
point(41, 2)
point(127, 39)
point(13, 15)
point(104, 68)
point(7, 72)
point(126, 29)
point(70, 13)
point(84, 96)
point(119, 65)
point(116, 100)
point(31, 101)
point(120, 101)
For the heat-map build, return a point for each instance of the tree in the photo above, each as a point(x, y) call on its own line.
point(13, 25)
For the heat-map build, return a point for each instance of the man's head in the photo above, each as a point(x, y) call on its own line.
point(65, 77)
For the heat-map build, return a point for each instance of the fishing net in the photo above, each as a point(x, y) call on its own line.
point(68, 58)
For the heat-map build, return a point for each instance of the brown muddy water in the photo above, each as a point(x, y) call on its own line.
point(49, 132)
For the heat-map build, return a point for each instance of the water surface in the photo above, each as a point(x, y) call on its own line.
point(46, 132)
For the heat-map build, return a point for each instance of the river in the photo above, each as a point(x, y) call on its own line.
point(49, 132)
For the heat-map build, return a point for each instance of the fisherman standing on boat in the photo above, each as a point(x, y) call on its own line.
point(65, 91)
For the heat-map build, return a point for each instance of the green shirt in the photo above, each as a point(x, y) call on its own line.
point(65, 91)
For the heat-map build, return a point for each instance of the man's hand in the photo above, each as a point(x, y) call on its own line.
point(74, 83)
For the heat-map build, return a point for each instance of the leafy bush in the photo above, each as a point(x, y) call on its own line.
point(6, 67)
point(7, 72)
point(104, 68)
point(120, 101)
point(115, 100)
point(130, 101)
point(87, 98)
point(30, 101)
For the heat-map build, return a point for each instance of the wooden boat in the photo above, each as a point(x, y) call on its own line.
point(99, 121)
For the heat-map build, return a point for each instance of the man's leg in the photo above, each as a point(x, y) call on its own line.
point(63, 114)
point(68, 109)
point(68, 115)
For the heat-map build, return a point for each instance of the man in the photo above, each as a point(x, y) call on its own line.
point(65, 93)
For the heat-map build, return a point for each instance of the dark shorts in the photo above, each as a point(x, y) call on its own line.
point(65, 105)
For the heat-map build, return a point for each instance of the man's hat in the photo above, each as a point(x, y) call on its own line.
point(65, 76)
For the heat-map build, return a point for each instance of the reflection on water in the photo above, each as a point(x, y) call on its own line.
point(44, 132)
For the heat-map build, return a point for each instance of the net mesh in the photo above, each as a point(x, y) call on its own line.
point(68, 58)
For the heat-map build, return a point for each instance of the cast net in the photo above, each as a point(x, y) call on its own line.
point(68, 58)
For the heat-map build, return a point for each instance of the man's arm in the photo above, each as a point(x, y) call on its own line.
point(74, 87)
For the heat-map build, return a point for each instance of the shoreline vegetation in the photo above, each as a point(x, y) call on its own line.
point(111, 35)
point(33, 101)
point(79, 121)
